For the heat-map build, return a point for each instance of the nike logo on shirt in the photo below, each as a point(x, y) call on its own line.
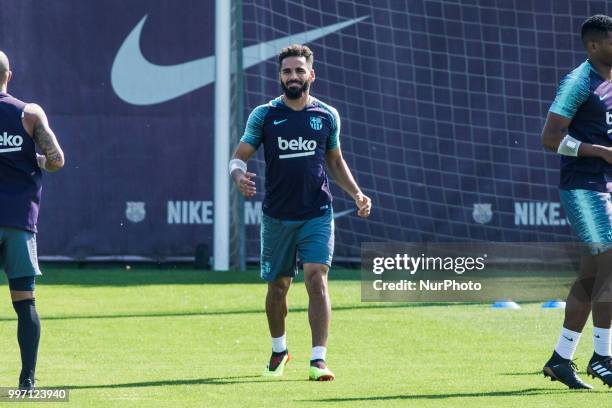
point(278, 122)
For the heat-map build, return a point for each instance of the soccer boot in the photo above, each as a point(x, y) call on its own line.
point(277, 364)
point(601, 367)
point(27, 385)
point(564, 372)
point(319, 371)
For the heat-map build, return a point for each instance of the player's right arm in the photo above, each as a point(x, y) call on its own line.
point(242, 178)
point(572, 92)
point(555, 130)
point(250, 141)
point(37, 125)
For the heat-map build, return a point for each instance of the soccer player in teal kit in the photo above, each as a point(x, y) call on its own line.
point(300, 138)
point(579, 127)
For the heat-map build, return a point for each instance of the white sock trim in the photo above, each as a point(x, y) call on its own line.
point(318, 353)
point(568, 343)
point(602, 338)
point(279, 344)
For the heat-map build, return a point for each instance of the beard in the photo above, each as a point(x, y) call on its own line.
point(295, 93)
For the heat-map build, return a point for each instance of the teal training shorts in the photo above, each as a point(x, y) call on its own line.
point(590, 214)
point(283, 243)
point(18, 253)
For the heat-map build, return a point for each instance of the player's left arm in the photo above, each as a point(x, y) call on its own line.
point(37, 125)
point(340, 172)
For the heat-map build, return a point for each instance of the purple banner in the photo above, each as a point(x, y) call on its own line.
point(441, 105)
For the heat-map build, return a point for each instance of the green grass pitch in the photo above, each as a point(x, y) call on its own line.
point(185, 338)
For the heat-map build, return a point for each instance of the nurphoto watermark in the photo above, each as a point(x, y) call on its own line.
point(468, 272)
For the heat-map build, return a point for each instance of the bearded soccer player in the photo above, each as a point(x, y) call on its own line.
point(23, 126)
point(300, 138)
point(579, 127)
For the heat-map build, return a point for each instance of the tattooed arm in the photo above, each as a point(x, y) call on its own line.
point(37, 125)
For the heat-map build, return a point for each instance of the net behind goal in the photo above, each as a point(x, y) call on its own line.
point(442, 104)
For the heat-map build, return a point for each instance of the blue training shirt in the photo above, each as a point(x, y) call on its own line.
point(295, 143)
point(586, 98)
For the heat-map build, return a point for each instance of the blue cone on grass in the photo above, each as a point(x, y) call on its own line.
point(505, 304)
point(553, 304)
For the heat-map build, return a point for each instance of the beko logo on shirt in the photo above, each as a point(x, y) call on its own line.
point(306, 147)
point(10, 143)
point(609, 118)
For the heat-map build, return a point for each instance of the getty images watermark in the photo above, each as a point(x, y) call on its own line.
point(467, 272)
point(411, 264)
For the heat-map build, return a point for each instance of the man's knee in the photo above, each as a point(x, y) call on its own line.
point(578, 308)
point(315, 277)
point(279, 288)
point(22, 288)
point(582, 290)
point(18, 296)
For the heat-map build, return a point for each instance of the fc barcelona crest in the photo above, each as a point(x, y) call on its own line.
point(482, 213)
point(135, 211)
point(316, 123)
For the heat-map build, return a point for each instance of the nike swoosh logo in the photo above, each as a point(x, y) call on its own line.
point(343, 213)
point(568, 338)
point(278, 122)
point(138, 81)
point(601, 98)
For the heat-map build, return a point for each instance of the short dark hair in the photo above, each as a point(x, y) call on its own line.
point(596, 28)
point(295, 50)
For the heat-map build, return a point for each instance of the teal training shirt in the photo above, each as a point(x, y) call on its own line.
point(586, 98)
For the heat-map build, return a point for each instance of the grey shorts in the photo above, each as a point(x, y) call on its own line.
point(18, 253)
point(284, 242)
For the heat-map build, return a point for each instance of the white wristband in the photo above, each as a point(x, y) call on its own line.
point(569, 146)
point(237, 164)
